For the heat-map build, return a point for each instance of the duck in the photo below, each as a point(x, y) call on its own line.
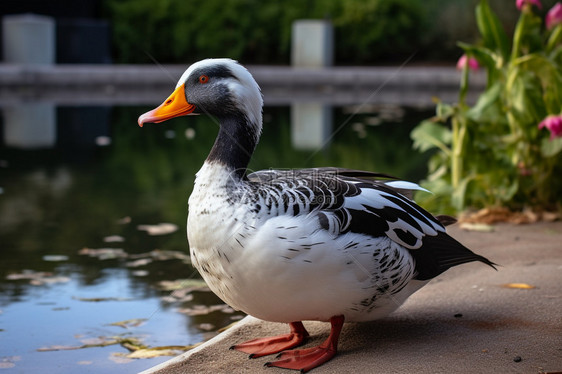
point(320, 244)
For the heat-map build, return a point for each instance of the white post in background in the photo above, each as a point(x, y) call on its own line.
point(29, 39)
point(30, 125)
point(312, 47)
point(312, 44)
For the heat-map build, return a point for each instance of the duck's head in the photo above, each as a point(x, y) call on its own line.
point(219, 87)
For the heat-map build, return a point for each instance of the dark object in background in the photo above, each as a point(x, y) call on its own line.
point(81, 40)
point(82, 36)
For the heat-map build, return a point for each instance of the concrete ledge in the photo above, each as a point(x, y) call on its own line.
point(464, 321)
point(281, 85)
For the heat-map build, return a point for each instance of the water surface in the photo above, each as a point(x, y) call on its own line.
point(102, 178)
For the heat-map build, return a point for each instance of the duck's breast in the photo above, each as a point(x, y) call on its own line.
point(288, 268)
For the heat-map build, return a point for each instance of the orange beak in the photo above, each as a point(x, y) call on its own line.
point(174, 106)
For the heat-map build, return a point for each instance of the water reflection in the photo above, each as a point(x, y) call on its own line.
point(78, 191)
point(30, 126)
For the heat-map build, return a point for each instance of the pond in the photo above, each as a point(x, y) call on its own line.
point(94, 257)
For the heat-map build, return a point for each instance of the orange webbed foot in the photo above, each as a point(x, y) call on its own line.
point(303, 359)
point(275, 344)
point(309, 358)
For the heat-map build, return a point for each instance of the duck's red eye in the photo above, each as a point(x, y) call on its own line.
point(203, 79)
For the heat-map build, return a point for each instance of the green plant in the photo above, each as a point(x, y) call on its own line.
point(259, 31)
point(493, 153)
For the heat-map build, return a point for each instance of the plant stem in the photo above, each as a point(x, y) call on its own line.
point(459, 132)
point(464, 83)
point(554, 39)
point(518, 33)
point(459, 129)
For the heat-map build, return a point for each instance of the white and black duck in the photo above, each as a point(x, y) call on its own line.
point(322, 244)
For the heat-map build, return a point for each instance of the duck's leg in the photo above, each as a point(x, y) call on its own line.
point(309, 358)
point(275, 344)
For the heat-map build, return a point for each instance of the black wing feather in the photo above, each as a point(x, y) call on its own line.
point(440, 253)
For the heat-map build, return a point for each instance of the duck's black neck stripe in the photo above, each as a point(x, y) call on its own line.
point(235, 144)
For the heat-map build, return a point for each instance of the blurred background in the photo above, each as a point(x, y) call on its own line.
point(369, 32)
point(94, 259)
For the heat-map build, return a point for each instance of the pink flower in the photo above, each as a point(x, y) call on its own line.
point(521, 3)
point(554, 16)
point(554, 124)
point(472, 63)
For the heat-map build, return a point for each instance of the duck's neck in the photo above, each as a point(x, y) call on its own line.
point(235, 144)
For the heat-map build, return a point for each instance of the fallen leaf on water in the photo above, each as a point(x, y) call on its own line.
point(170, 350)
point(206, 326)
point(49, 280)
point(159, 229)
point(113, 239)
point(124, 220)
point(140, 273)
point(37, 278)
point(98, 299)
point(178, 284)
point(55, 258)
point(150, 353)
point(103, 253)
point(28, 274)
point(59, 348)
point(131, 343)
point(128, 342)
point(120, 358)
point(134, 345)
point(103, 141)
point(92, 343)
point(139, 262)
point(521, 286)
point(135, 322)
point(199, 310)
point(181, 295)
point(9, 361)
point(189, 133)
point(480, 227)
point(163, 255)
point(96, 341)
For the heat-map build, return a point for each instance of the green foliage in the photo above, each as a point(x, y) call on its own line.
point(258, 31)
point(492, 153)
point(375, 30)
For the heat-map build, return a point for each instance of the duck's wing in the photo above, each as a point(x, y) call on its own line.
point(272, 174)
point(405, 188)
point(346, 200)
